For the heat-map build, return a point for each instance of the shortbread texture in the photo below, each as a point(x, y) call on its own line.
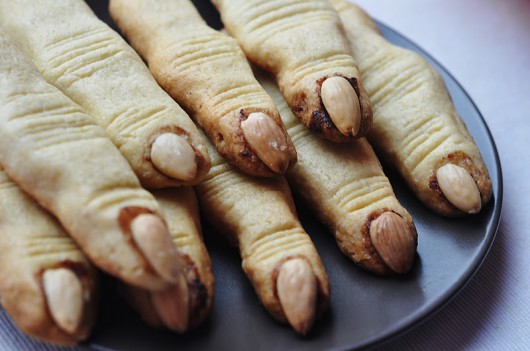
point(259, 217)
point(59, 155)
point(95, 67)
point(343, 184)
point(416, 127)
point(203, 70)
point(301, 42)
point(31, 241)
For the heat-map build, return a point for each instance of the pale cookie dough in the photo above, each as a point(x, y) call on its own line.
point(180, 208)
point(258, 216)
point(57, 153)
point(32, 242)
point(416, 127)
point(346, 188)
point(302, 43)
point(96, 68)
point(207, 73)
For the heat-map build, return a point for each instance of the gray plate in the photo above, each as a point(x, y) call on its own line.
point(365, 309)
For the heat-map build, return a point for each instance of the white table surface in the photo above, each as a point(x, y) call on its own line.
point(486, 46)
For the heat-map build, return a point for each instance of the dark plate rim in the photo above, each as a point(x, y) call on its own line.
point(421, 316)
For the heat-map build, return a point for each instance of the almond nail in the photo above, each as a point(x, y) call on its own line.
point(394, 241)
point(267, 140)
point(172, 305)
point(152, 238)
point(64, 294)
point(174, 156)
point(297, 291)
point(459, 188)
point(342, 104)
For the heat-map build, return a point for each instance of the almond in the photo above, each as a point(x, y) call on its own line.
point(394, 241)
point(267, 140)
point(173, 155)
point(342, 104)
point(152, 239)
point(64, 294)
point(172, 305)
point(459, 188)
point(297, 290)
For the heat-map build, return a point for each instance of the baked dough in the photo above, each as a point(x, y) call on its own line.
point(416, 127)
point(206, 72)
point(301, 43)
point(345, 187)
point(95, 67)
point(180, 208)
point(56, 153)
point(258, 216)
point(32, 241)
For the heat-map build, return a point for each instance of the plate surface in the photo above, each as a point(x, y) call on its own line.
point(365, 309)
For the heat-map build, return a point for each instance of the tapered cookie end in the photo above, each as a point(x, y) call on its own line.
point(297, 291)
point(172, 305)
point(153, 239)
point(267, 140)
point(342, 104)
point(394, 241)
point(173, 155)
point(459, 188)
point(64, 294)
